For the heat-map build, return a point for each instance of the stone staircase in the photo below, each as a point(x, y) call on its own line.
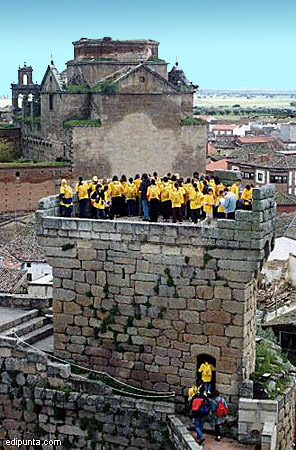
point(32, 326)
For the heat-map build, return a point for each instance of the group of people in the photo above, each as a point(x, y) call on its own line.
point(198, 198)
point(203, 403)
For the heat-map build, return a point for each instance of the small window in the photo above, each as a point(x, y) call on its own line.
point(260, 176)
point(29, 276)
point(28, 264)
point(17, 174)
point(51, 102)
point(142, 79)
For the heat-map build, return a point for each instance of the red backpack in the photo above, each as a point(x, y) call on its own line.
point(221, 410)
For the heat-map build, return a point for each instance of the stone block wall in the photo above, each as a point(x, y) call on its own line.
point(270, 423)
point(143, 301)
point(120, 148)
point(40, 399)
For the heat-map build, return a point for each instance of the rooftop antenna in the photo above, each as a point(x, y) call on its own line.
point(51, 60)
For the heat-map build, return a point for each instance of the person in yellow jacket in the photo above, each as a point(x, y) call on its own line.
point(116, 191)
point(166, 204)
point(235, 188)
point(153, 196)
point(91, 188)
point(81, 189)
point(196, 198)
point(177, 198)
point(131, 197)
point(247, 197)
point(98, 202)
point(208, 202)
point(219, 204)
point(206, 369)
point(66, 201)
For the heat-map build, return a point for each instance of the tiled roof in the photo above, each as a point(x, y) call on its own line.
point(285, 319)
point(25, 246)
point(12, 280)
point(226, 126)
point(8, 261)
point(254, 140)
point(285, 199)
point(222, 164)
point(276, 160)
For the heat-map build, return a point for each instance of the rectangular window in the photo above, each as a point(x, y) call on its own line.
point(51, 102)
point(28, 264)
point(278, 179)
point(29, 276)
point(260, 176)
point(248, 175)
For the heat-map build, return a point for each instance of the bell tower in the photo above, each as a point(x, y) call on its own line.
point(24, 89)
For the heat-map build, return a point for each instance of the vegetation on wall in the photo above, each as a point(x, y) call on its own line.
point(78, 89)
point(106, 87)
point(69, 123)
point(7, 153)
point(192, 121)
point(272, 368)
point(6, 125)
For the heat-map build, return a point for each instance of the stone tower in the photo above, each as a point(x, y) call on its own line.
point(148, 303)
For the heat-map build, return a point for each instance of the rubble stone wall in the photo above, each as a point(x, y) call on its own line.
point(143, 301)
point(40, 400)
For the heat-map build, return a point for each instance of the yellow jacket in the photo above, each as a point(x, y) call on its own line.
point(195, 199)
point(115, 189)
point(220, 207)
point(66, 192)
point(206, 370)
point(131, 191)
point(137, 183)
point(177, 198)
point(234, 188)
point(165, 191)
point(208, 203)
point(153, 192)
point(247, 196)
point(82, 190)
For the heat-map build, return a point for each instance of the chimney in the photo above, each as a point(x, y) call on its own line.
point(264, 158)
point(251, 156)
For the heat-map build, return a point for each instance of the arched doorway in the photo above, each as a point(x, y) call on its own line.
point(202, 359)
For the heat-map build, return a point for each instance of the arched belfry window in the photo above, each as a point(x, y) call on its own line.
point(25, 79)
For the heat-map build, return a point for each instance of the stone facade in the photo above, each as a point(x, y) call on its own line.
point(22, 185)
point(132, 139)
point(144, 301)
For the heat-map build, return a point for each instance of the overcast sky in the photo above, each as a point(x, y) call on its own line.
point(219, 43)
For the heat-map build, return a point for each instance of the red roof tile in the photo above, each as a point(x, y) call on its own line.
point(222, 164)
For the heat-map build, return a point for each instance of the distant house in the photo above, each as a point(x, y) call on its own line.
point(28, 252)
point(255, 140)
point(265, 166)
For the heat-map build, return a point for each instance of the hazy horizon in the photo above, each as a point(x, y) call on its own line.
point(224, 45)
